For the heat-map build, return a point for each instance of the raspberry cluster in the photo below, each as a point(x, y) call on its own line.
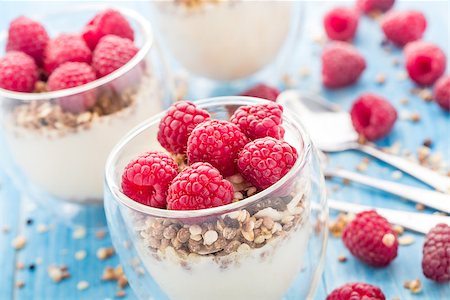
point(356, 291)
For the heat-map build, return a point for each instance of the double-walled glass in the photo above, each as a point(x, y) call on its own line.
point(270, 245)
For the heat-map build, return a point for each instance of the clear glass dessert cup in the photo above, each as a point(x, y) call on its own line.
point(270, 245)
point(57, 157)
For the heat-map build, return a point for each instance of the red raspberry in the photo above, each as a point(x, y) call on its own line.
point(18, 72)
point(436, 254)
point(373, 116)
point(199, 186)
point(109, 21)
point(28, 36)
point(340, 23)
point(218, 143)
point(356, 291)
point(261, 120)
point(425, 62)
point(111, 53)
point(72, 74)
point(264, 161)
point(342, 65)
point(402, 27)
point(442, 92)
point(178, 123)
point(65, 48)
point(371, 6)
point(262, 91)
point(370, 238)
point(146, 179)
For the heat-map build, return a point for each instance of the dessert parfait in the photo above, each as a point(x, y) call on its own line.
point(67, 98)
point(226, 202)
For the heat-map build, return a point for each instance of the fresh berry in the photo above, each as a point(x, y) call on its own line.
point(111, 53)
point(146, 179)
point(373, 117)
point(199, 186)
point(262, 91)
point(370, 238)
point(178, 123)
point(18, 72)
point(218, 143)
point(28, 36)
point(109, 21)
point(402, 27)
point(342, 65)
point(261, 120)
point(73, 74)
point(356, 291)
point(436, 254)
point(442, 92)
point(65, 48)
point(264, 161)
point(425, 62)
point(340, 23)
point(373, 6)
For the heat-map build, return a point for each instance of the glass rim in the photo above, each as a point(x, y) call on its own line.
point(144, 27)
point(113, 187)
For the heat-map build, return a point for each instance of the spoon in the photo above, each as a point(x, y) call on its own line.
point(331, 131)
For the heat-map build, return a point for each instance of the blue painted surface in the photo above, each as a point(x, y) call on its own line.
point(57, 246)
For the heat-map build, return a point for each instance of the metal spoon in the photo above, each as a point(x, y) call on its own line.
point(331, 130)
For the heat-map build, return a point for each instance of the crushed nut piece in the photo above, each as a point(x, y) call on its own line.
point(105, 253)
point(19, 242)
point(80, 255)
point(420, 206)
point(342, 258)
point(415, 286)
point(58, 273)
point(79, 233)
point(337, 226)
point(100, 234)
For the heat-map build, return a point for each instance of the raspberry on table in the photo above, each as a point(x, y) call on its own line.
point(371, 6)
point(373, 116)
point(262, 91)
point(146, 179)
point(436, 254)
point(356, 291)
point(342, 65)
point(370, 238)
point(425, 62)
point(178, 123)
point(442, 92)
point(261, 120)
point(65, 48)
point(28, 36)
point(340, 23)
point(199, 186)
point(264, 161)
point(18, 72)
point(111, 53)
point(218, 143)
point(402, 27)
point(109, 21)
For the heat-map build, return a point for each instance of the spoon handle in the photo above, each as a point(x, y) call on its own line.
point(428, 198)
point(432, 178)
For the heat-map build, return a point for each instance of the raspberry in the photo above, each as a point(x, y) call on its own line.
point(340, 23)
point(342, 65)
point(425, 62)
point(436, 254)
point(111, 53)
point(442, 92)
point(146, 179)
point(264, 161)
point(28, 36)
point(262, 91)
point(218, 143)
point(18, 72)
point(178, 123)
point(109, 21)
point(370, 238)
point(199, 186)
point(373, 116)
point(65, 48)
point(258, 121)
point(356, 291)
point(371, 6)
point(72, 74)
point(402, 27)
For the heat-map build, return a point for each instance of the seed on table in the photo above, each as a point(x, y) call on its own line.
point(82, 285)
point(19, 242)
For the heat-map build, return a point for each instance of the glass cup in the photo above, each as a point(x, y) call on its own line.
point(57, 157)
point(270, 245)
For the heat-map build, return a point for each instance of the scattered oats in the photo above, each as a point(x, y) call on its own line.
point(402, 75)
point(42, 228)
point(396, 175)
point(100, 234)
point(79, 233)
point(82, 285)
point(415, 117)
point(415, 286)
point(388, 240)
point(105, 253)
point(406, 240)
point(210, 237)
point(58, 273)
point(342, 258)
point(380, 78)
point(19, 242)
point(108, 274)
point(426, 94)
point(195, 230)
point(20, 284)
point(398, 229)
point(80, 255)
point(337, 226)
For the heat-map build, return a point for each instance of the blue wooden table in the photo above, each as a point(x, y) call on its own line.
point(58, 245)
